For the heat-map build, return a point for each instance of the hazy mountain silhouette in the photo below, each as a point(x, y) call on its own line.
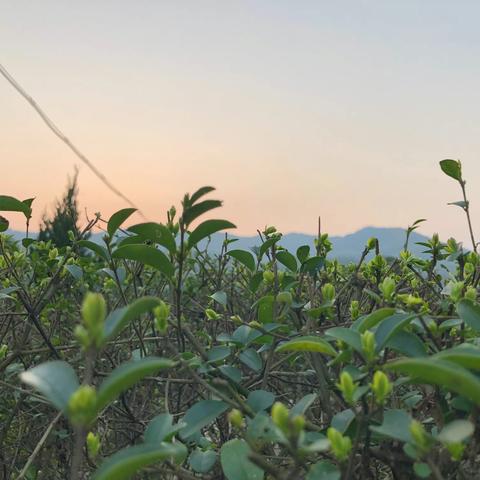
point(345, 248)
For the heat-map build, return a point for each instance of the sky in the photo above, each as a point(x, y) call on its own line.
point(291, 109)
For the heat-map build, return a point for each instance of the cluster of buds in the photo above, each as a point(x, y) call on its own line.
point(381, 387)
point(341, 445)
point(212, 314)
point(93, 445)
point(368, 345)
point(162, 313)
point(348, 387)
point(94, 311)
point(290, 426)
point(328, 293)
point(354, 309)
point(82, 405)
point(387, 287)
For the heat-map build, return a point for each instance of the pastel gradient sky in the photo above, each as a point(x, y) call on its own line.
point(292, 109)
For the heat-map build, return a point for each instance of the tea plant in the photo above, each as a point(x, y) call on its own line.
point(244, 365)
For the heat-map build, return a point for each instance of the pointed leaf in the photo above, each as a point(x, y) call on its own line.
point(124, 464)
point(200, 415)
point(11, 204)
point(308, 343)
point(287, 259)
point(155, 232)
point(147, 255)
point(244, 257)
point(55, 380)
point(195, 211)
point(117, 219)
point(439, 372)
point(117, 320)
point(126, 375)
point(470, 313)
point(452, 168)
point(206, 229)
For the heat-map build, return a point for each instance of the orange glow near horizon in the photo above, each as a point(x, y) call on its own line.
point(291, 112)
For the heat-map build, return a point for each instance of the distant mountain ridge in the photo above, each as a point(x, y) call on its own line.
point(345, 248)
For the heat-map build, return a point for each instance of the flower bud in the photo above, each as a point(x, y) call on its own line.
point(298, 424)
point(235, 418)
point(340, 445)
point(381, 387)
point(456, 291)
point(328, 293)
point(81, 405)
point(94, 311)
point(371, 243)
point(268, 276)
point(354, 309)
point(471, 294)
point(71, 235)
point(93, 445)
point(82, 336)
point(368, 345)
point(280, 415)
point(269, 230)
point(285, 297)
point(236, 319)
point(456, 450)
point(3, 351)
point(347, 387)
point(211, 314)
point(419, 435)
point(53, 254)
point(387, 287)
point(161, 313)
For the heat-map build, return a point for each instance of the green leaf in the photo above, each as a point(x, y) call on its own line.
point(75, 271)
point(396, 425)
point(117, 219)
point(147, 255)
point(244, 257)
point(202, 462)
point(342, 420)
point(312, 265)
point(156, 233)
point(11, 204)
point(235, 462)
point(456, 431)
point(251, 359)
point(422, 469)
point(439, 372)
point(117, 320)
point(191, 213)
point(365, 322)
point(309, 343)
point(350, 337)
point(94, 247)
point(407, 343)
point(55, 380)
point(303, 404)
point(126, 375)
point(200, 415)
point(466, 355)
point(124, 464)
point(452, 168)
point(220, 297)
point(389, 327)
point(259, 400)
point(206, 229)
point(161, 429)
point(323, 470)
point(469, 312)
point(4, 223)
point(200, 193)
point(303, 252)
point(287, 259)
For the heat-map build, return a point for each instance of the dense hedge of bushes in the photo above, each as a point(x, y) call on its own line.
point(147, 357)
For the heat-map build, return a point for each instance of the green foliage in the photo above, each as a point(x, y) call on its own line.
point(274, 364)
